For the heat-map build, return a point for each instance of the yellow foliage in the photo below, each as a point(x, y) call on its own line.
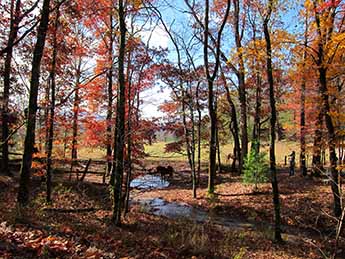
point(136, 3)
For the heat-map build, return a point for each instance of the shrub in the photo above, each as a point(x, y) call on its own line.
point(255, 169)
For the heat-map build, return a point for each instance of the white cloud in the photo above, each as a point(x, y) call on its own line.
point(158, 37)
point(152, 98)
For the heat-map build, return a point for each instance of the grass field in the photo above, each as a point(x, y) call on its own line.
point(157, 152)
point(283, 148)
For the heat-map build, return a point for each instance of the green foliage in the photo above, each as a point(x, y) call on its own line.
point(255, 169)
point(61, 189)
point(240, 254)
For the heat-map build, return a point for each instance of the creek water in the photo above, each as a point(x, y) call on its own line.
point(176, 210)
point(148, 182)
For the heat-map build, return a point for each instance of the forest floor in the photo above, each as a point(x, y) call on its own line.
point(77, 224)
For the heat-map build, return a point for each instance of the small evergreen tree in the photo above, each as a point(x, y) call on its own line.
point(255, 169)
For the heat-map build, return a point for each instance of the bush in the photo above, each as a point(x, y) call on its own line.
point(255, 169)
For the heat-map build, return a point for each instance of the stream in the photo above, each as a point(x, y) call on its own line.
point(148, 182)
point(177, 210)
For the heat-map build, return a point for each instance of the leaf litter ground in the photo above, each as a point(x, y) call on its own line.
point(77, 225)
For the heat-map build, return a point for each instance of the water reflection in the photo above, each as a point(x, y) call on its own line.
point(174, 210)
point(149, 182)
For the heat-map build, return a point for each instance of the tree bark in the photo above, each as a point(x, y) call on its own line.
point(76, 102)
point(316, 159)
point(129, 134)
point(257, 116)
point(23, 192)
point(194, 177)
point(211, 98)
point(233, 126)
point(212, 142)
point(323, 38)
point(331, 142)
point(273, 119)
point(52, 109)
point(117, 170)
point(14, 26)
point(303, 166)
point(110, 98)
point(241, 86)
point(217, 138)
point(198, 133)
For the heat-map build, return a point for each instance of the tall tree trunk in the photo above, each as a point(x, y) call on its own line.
point(198, 132)
point(241, 85)
point(274, 181)
point(233, 126)
point(194, 178)
point(117, 170)
point(46, 115)
point(322, 62)
point(258, 99)
point(211, 110)
point(110, 98)
point(52, 109)
point(128, 160)
point(257, 116)
point(316, 159)
point(23, 192)
point(331, 142)
point(212, 142)
point(219, 159)
point(188, 140)
point(303, 166)
point(211, 98)
point(129, 146)
point(76, 102)
point(65, 139)
point(280, 130)
point(14, 26)
point(217, 136)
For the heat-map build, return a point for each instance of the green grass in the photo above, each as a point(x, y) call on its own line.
point(156, 152)
point(84, 153)
point(283, 148)
point(91, 153)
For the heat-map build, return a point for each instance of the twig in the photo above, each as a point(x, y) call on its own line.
point(11, 134)
point(86, 169)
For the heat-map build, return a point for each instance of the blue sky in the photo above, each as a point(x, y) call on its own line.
point(179, 23)
point(152, 98)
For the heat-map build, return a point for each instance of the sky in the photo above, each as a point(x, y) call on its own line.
point(154, 97)
point(178, 21)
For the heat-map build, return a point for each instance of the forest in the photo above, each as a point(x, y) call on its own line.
point(172, 129)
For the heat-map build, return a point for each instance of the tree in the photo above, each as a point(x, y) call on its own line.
point(241, 83)
point(303, 166)
point(23, 192)
point(210, 77)
point(238, 71)
point(52, 80)
point(255, 169)
point(273, 119)
point(117, 171)
point(325, 12)
point(14, 27)
point(16, 17)
point(233, 125)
